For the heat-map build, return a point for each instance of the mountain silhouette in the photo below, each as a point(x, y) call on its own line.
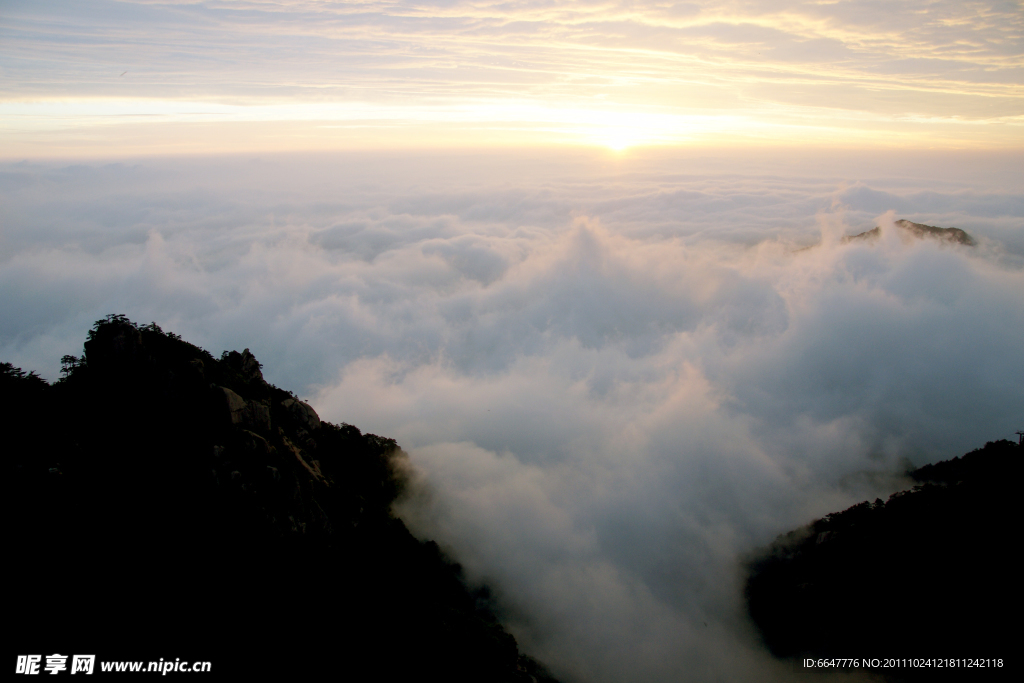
point(930, 573)
point(168, 504)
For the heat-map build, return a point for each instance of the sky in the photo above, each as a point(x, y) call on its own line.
point(585, 262)
point(111, 77)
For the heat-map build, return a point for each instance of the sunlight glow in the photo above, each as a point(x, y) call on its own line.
point(85, 126)
point(311, 75)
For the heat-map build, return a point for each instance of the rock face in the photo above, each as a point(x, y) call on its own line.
point(229, 521)
point(246, 365)
point(920, 231)
point(250, 414)
point(302, 414)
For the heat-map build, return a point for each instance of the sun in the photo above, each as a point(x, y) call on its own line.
point(619, 131)
point(618, 140)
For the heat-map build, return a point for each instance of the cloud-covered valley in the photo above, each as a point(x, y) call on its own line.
point(615, 376)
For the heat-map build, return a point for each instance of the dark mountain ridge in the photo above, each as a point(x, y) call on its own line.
point(930, 573)
point(166, 503)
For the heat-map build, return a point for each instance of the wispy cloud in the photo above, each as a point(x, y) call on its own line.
point(835, 73)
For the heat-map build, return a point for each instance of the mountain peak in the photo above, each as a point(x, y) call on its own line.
point(920, 231)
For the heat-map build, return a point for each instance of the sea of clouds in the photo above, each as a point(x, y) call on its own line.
point(615, 376)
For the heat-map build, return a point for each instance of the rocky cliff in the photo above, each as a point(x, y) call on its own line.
point(166, 503)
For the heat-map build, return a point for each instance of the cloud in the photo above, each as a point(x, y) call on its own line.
point(615, 376)
point(163, 77)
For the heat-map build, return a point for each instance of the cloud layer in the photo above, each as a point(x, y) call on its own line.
point(614, 376)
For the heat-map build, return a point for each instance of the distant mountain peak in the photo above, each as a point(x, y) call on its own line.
point(919, 230)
